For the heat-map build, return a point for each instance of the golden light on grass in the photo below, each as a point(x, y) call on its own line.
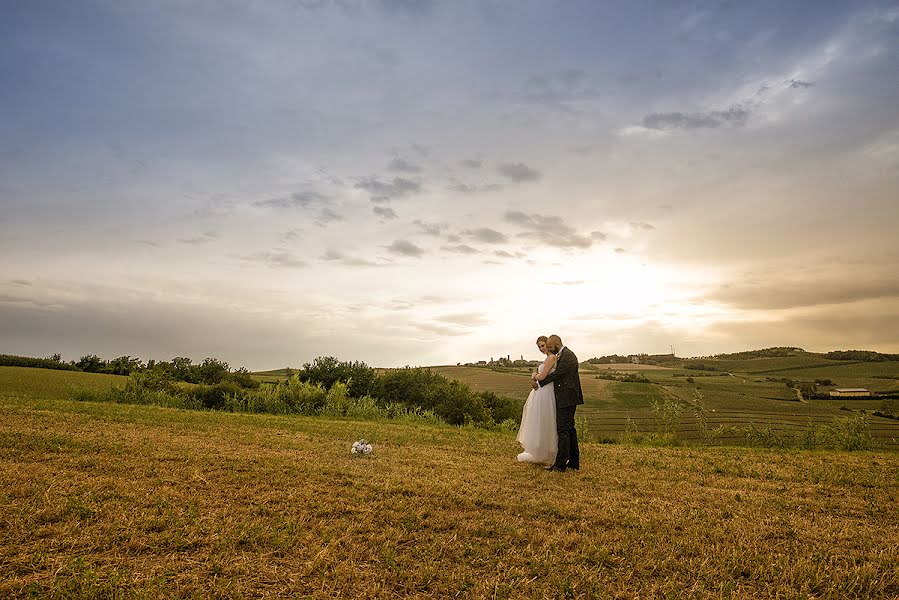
point(106, 499)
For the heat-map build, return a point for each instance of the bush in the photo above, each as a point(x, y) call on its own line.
point(327, 370)
point(213, 396)
point(243, 378)
point(843, 433)
point(212, 371)
point(337, 401)
point(624, 377)
point(503, 408)
point(290, 397)
point(410, 394)
point(139, 389)
point(850, 433)
point(582, 428)
point(667, 413)
point(10, 360)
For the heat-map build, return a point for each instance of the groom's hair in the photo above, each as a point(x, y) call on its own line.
point(555, 339)
point(542, 338)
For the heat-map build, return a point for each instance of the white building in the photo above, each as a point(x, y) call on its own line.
point(850, 393)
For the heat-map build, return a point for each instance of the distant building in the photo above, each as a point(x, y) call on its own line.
point(850, 393)
point(635, 360)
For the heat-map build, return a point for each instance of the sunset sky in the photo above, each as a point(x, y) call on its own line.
point(426, 182)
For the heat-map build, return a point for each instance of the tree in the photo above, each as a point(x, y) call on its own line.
point(183, 369)
point(213, 371)
point(91, 363)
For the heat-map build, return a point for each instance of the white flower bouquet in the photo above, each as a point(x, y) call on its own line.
point(361, 447)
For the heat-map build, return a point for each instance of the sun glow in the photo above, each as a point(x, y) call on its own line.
point(600, 292)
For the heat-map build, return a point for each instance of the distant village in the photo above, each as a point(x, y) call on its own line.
point(636, 359)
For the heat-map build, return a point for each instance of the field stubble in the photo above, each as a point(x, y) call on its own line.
point(106, 499)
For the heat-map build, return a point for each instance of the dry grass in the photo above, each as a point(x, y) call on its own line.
point(106, 500)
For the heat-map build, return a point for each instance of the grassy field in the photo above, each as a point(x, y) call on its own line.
point(47, 383)
point(112, 500)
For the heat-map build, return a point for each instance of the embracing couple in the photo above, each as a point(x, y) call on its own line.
point(547, 432)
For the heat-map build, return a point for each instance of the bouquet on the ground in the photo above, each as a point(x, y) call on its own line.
point(361, 447)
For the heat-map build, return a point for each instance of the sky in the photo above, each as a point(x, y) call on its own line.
point(420, 182)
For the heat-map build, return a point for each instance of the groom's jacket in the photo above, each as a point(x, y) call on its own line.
point(568, 383)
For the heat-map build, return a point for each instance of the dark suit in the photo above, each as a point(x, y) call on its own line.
point(568, 396)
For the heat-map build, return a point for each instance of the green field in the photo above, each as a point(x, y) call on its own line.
point(47, 383)
point(272, 376)
point(770, 365)
point(104, 500)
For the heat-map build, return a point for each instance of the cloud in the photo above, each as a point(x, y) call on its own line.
point(550, 230)
point(598, 235)
point(559, 90)
point(797, 83)
point(641, 225)
point(464, 319)
point(403, 166)
point(465, 188)
point(277, 259)
point(302, 199)
point(735, 117)
point(434, 229)
point(504, 254)
point(460, 249)
point(405, 248)
point(384, 212)
point(518, 172)
point(337, 256)
point(203, 238)
point(440, 329)
point(414, 8)
point(779, 293)
point(384, 191)
point(471, 163)
point(486, 235)
point(327, 215)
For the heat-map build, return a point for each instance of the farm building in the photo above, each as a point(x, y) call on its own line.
point(850, 393)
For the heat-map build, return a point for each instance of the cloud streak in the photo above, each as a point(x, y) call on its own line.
point(549, 230)
point(732, 117)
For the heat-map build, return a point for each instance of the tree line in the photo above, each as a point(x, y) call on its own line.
point(210, 372)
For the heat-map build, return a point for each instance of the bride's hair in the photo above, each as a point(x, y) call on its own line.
point(542, 338)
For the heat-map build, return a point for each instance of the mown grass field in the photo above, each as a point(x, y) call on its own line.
point(112, 500)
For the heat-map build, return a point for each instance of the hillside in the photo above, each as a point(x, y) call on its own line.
point(720, 398)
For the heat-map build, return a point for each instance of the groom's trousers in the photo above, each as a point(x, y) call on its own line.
point(569, 454)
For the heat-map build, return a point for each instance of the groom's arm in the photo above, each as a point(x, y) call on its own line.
point(563, 367)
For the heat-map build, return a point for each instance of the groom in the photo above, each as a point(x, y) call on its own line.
point(568, 396)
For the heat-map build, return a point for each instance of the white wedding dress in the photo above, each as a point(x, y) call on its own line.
point(537, 434)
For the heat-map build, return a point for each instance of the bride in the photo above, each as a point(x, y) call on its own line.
point(537, 434)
